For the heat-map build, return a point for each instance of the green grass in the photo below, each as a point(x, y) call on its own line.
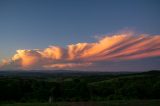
point(104, 103)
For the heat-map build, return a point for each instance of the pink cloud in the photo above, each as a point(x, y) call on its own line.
point(120, 47)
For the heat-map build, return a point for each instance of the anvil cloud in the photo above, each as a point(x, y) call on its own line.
point(118, 47)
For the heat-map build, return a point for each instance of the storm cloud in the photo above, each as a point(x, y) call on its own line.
point(115, 48)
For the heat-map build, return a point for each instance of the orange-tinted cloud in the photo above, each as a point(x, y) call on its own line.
point(120, 47)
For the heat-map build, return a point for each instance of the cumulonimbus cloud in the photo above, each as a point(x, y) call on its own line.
point(119, 47)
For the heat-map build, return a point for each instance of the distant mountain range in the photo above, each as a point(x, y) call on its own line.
point(41, 73)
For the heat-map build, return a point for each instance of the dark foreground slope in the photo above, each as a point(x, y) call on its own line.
point(93, 103)
point(79, 87)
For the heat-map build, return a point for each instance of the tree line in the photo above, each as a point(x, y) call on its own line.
point(80, 88)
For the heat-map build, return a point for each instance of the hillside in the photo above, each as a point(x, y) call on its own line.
point(79, 87)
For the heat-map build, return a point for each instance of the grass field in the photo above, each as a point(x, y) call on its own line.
point(104, 103)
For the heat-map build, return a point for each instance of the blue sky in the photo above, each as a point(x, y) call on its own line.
point(30, 24)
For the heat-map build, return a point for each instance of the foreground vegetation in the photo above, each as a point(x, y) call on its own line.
point(141, 86)
point(105, 103)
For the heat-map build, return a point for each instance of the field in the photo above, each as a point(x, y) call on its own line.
point(106, 103)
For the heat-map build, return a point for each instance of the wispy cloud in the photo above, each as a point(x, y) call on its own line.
point(118, 47)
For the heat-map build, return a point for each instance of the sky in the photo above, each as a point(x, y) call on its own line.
point(99, 35)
